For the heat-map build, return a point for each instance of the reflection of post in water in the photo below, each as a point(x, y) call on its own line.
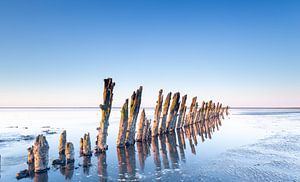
point(189, 137)
point(141, 154)
point(130, 162)
point(194, 134)
point(171, 140)
point(102, 166)
point(163, 149)
point(122, 163)
point(181, 142)
point(86, 164)
point(41, 177)
point(156, 156)
point(69, 170)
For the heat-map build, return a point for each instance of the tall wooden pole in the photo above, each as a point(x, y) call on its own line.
point(170, 126)
point(181, 112)
point(106, 108)
point(123, 125)
point(134, 111)
point(162, 127)
point(157, 114)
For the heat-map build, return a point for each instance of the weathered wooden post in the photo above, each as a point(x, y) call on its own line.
point(157, 114)
point(62, 142)
point(142, 124)
point(106, 108)
point(123, 125)
point(69, 153)
point(227, 110)
point(170, 125)
point(146, 131)
point(81, 146)
point(61, 150)
point(189, 117)
point(86, 148)
point(194, 114)
point(134, 111)
point(162, 127)
point(181, 112)
point(30, 156)
point(41, 154)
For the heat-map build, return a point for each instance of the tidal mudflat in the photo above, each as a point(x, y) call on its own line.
point(248, 145)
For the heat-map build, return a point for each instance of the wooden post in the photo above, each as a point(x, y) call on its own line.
point(146, 131)
point(41, 154)
point(81, 146)
point(30, 156)
point(148, 134)
point(86, 145)
point(123, 125)
point(194, 113)
point(142, 124)
point(157, 114)
point(189, 115)
point(227, 110)
point(69, 152)
point(106, 108)
point(170, 125)
point(134, 111)
point(162, 127)
point(183, 117)
point(181, 112)
point(62, 142)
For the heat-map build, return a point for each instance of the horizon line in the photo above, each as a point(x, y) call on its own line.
point(147, 107)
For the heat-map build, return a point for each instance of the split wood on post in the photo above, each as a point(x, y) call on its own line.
point(146, 130)
point(170, 125)
point(123, 125)
point(182, 110)
point(62, 142)
point(162, 128)
point(41, 154)
point(189, 117)
point(134, 111)
point(85, 145)
point(141, 125)
point(69, 153)
point(157, 114)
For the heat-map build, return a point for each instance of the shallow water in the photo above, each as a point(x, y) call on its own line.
point(251, 145)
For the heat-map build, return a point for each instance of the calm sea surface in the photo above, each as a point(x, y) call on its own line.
point(250, 145)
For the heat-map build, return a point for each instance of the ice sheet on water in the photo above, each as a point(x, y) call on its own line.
point(269, 159)
point(268, 112)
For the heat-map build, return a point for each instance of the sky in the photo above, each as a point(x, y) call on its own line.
point(240, 53)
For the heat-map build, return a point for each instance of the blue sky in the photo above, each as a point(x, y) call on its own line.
point(57, 53)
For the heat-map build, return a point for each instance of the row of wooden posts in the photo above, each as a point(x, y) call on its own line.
point(168, 116)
